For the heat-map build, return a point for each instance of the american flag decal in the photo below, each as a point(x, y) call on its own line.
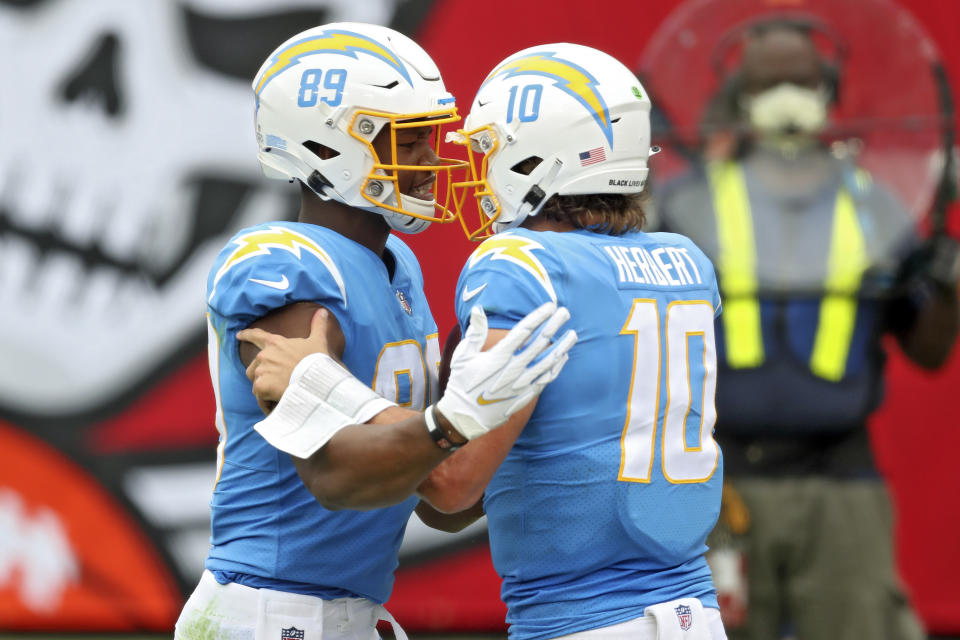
point(592, 157)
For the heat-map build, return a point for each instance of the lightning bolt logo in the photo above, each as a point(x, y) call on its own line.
point(519, 251)
point(336, 41)
point(263, 241)
point(569, 78)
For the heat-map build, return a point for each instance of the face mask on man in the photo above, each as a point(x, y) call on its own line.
point(788, 110)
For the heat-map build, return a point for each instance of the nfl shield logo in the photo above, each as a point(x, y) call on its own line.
point(291, 634)
point(684, 616)
point(404, 303)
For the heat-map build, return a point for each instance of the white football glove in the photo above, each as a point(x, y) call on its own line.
point(487, 387)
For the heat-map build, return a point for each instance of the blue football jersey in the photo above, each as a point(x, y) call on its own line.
point(603, 505)
point(267, 529)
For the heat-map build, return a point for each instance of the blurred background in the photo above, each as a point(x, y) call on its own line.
point(127, 159)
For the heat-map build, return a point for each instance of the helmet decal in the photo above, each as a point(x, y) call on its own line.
point(570, 78)
point(500, 191)
point(347, 43)
point(370, 79)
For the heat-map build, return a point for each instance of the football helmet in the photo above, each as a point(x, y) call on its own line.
point(324, 95)
point(577, 114)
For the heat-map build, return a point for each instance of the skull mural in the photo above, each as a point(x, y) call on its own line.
point(128, 160)
point(124, 167)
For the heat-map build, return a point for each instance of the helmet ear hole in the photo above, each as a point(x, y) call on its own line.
point(321, 151)
point(527, 165)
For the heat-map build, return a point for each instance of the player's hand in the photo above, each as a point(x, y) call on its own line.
point(935, 262)
point(943, 262)
point(487, 387)
point(271, 368)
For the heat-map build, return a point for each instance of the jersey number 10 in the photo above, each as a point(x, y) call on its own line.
point(690, 384)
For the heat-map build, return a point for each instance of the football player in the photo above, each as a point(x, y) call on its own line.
point(599, 511)
point(600, 494)
point(353, 113)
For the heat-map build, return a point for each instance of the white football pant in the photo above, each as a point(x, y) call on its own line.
point(235, 612)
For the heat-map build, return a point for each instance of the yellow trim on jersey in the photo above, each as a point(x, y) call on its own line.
point(686, 416)
point(666, 411)
point(432, 382)
point(409, 372)
point(633, 376)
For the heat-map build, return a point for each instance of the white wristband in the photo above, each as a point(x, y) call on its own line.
point(322, 398)
point(327, 379)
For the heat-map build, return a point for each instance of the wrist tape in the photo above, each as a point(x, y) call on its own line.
point(322, 398)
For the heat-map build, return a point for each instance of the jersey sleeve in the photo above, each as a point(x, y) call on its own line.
point(715, 292)
point(709, 277)
point(267, 268)
point(508, 275)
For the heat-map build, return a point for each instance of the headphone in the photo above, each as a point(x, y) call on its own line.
point(725, 104)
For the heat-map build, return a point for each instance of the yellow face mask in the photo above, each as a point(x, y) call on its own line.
point(387, 170)
point(481, 145)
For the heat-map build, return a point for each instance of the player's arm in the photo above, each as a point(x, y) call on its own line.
point(449, 522)
point(928, 342)
point(368, 466)
point(460, 481)
point(291, 321)
point(428, 514)
point(452, 495)
point(374, 485)
point(457, 484)
point(348, 464)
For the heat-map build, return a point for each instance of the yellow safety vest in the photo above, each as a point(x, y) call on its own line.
point(737, 265)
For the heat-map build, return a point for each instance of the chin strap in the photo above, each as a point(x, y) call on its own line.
point(406, 223)
point(535, 197)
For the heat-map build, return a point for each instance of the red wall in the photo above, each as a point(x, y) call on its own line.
point(107, 562)
point(917, 429)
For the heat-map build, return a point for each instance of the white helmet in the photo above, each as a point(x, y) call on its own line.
point(337, 86)
point(579, 111)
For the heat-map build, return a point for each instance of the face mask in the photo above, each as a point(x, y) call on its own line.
point(788, 109)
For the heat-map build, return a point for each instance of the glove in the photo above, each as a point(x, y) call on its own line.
point(936, 262)
point(487, 387)
point(943, 267)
